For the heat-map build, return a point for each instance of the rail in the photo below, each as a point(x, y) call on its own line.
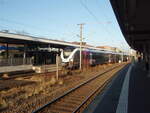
point(75, 88)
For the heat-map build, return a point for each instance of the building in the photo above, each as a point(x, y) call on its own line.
point(109, 48)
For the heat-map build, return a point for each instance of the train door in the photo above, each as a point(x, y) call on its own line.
point(91, 59)
point(109, 55)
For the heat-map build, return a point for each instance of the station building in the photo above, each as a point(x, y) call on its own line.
point(22, 52)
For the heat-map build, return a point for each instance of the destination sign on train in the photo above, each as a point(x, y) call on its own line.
point(49, 49)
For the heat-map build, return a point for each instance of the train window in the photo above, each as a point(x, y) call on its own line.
point(67, 51)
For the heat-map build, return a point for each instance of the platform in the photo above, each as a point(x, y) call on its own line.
point(7, 69)
point(127, 93)
point(46, 68)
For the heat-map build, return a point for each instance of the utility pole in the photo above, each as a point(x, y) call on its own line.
point(123, 51)
point(122, 56)
point(57, 66)
point(81, 39)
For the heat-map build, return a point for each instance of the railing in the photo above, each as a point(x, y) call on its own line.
point(15, 61)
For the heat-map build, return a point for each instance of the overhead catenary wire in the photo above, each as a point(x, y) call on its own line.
point(95, 17)
point(35, 28)
point(89, 11)
point(19, 23)
point(106, 17)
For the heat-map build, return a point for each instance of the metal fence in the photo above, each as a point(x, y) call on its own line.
point(15, 61)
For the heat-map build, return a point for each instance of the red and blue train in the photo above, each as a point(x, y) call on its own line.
point(90, 57)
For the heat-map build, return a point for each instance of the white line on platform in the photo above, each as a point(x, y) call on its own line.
point(123, 99)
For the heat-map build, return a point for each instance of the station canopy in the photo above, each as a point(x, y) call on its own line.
point(134, 20)
point(42, 43)
point(11, 38)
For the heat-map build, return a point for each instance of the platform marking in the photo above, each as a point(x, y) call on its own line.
point(122, 106)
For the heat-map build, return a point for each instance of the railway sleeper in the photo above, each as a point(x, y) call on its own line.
point(82, 91)
point(84, 94)
point(74, 99)
point(72, 102)
point(77, 96)
point(68, 105)
point(56, 111)
point(60, 108)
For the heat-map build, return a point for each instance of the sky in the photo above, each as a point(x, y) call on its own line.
point(59, 19)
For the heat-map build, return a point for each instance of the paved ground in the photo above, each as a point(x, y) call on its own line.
point(137, 93)
point(139, 90)
point(4, 69)
point(107, 101)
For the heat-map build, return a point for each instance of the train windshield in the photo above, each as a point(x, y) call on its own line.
point(67, 52)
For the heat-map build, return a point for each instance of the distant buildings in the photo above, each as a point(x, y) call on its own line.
point(109, 48)
point(83, 43)
point(115, 49)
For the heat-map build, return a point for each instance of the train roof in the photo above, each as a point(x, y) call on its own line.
point(103, 51)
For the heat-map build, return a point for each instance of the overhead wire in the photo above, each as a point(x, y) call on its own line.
point(26, 26)
point(95, 17)
point(19, 23)
point(22, 24)
point(89, 11)
point(105, 16)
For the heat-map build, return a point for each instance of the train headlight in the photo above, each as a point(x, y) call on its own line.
point(71, 60)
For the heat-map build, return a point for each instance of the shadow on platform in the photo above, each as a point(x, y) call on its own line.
point(139, 89)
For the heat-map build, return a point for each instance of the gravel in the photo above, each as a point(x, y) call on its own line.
point(23, 95)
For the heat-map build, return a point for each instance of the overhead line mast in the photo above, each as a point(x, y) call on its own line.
point(81, 39)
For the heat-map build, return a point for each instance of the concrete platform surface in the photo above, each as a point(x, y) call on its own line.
point(6, 69)
point(129, 92)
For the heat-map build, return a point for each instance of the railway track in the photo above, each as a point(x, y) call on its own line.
point(76, 99)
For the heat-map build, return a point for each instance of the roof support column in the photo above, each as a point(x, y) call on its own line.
point(7, 52)
point(24, 54)
point(146, 57)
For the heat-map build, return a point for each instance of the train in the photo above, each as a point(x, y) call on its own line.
point(90, 57)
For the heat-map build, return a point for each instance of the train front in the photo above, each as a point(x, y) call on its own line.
point(67, 56)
